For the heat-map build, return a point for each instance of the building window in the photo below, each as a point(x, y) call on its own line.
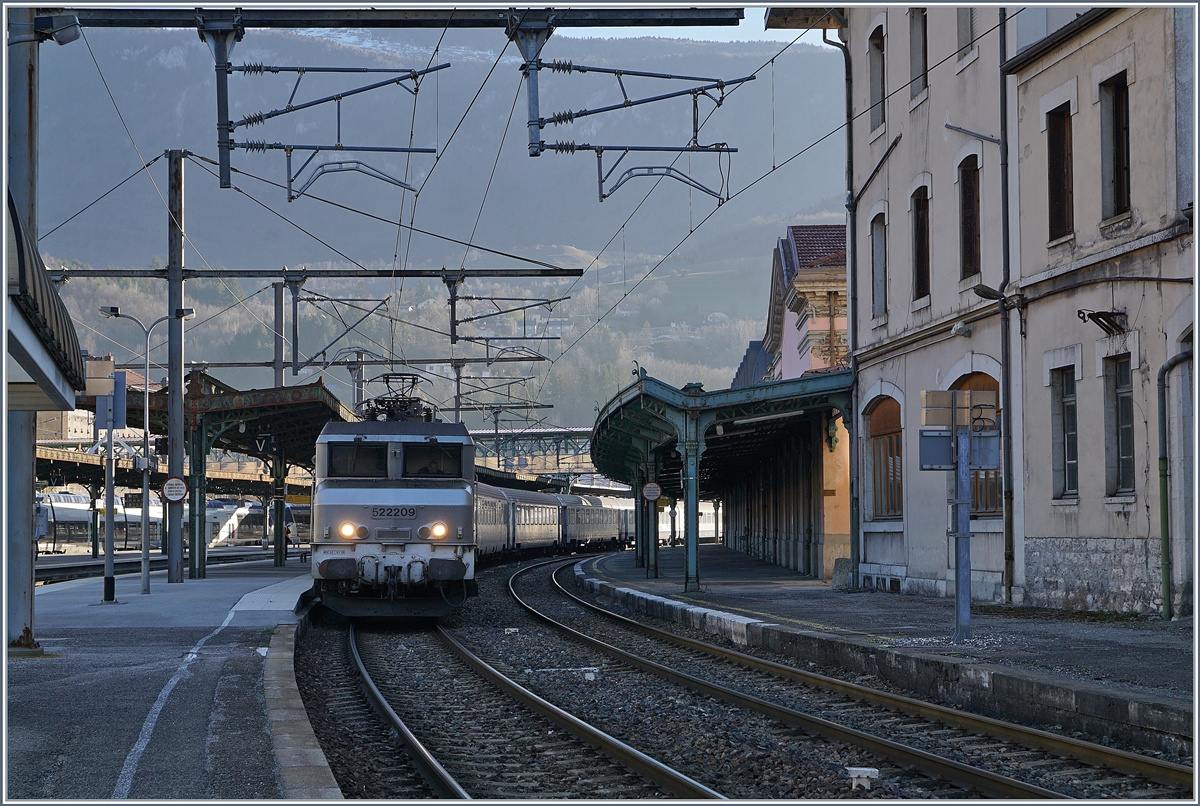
point(985, 484)
point(918, 51)
point(1114, 142)
point(1118, 411)
point(878, 78)
point(968, 219)
point(966, 30)
point(920, 239)
point(878, 267)
point(1058, 163)
point(886, 472)
point(1064, 433)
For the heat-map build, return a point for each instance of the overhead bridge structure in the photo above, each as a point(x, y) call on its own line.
point(759, 450)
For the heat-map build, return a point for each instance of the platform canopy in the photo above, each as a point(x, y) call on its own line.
point(729, 426)
point(695, 444)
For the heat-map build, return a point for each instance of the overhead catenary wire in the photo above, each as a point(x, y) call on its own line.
point(621, 229)
point(388, 221)
point(827, 135)
point(100, 198)
point(150, 176)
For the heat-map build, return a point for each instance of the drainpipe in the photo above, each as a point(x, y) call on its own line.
point(1005, 344)
point(852, 306)
point(1164, 484)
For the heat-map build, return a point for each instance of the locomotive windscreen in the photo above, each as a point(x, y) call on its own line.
point(358, 459)
point(432, 460)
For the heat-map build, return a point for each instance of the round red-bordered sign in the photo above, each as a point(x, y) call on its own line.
point(174, 489)
point(652, 491)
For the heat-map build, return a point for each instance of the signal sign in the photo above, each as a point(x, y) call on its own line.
point(174, 489)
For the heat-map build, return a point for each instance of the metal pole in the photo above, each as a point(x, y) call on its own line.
point(20, 460)
point(851, 422)
point(197, 510)
point(458, 393)
point(220, 46)
point(1164, 484)
point(175, 436)
point(278, 334)
point(531, 41)
point(295, 289)
point(691, 513)
point(279, 471)
point(652, 532)
point(672, 523)
point(962, 529)
point(1006, 353)
point(146, 466)
point(110, 582)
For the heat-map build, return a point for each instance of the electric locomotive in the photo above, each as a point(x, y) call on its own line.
point(392, 511)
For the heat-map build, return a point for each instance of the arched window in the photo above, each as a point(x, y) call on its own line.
point(985, 484)
point(886, 454)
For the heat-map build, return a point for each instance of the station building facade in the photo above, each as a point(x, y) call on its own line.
point(805, 333)
point(1094, 267)
point(1103, 126)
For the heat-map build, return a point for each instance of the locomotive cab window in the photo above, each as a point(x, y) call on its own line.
point(432, 460)
point(358, 459)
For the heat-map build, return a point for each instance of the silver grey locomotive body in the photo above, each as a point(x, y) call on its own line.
point(393, 518)
point(398, 520)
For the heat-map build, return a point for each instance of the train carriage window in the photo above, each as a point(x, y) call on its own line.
point(432, 460)
point(358, 459)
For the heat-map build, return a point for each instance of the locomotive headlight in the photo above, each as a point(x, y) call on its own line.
point(435, 531)
point(347, 530)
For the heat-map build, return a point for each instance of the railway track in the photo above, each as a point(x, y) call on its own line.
point(469, 741)
point(980, 754)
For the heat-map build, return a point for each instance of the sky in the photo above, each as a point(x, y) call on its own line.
point(751, 28)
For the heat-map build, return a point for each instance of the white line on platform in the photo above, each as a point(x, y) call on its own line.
point(125, 780)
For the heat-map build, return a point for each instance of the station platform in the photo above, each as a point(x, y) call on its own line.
point(1117, 676)
point(183, 693)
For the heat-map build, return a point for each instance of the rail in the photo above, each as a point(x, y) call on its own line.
point(442, 782)
point(1158, 770)
point(965, 775)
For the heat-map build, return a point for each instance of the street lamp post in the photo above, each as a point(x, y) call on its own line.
point(112, 312)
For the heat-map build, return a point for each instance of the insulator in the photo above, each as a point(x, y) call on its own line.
point(255, 145)
point(563, 118)
point(253, 68)
point(561, 66)
point(564, 146)
point(255, 119)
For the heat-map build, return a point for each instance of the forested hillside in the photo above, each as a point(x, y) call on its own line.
point(690, 320)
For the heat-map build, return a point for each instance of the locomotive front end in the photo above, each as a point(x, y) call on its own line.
point(393, 518)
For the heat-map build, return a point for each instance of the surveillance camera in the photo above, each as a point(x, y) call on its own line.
point(961, 329)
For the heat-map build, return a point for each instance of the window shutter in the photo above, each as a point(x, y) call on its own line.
point(964, 31)
point(878, 266)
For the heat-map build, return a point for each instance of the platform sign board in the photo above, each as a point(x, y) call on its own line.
point(99, 381)
point(174, 489)
point(652, 491)
point(111, 408)
point(935, 449)
point(298, 498)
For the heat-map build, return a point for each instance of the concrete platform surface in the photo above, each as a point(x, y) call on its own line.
point(1087, 672)
point(161, 696)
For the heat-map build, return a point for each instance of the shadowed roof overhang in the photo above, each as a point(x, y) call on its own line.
point(293, 415)
point(643, 419)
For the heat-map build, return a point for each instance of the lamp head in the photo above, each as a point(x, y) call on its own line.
point(987, 292)
point(185, 313)
point(109, 311)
